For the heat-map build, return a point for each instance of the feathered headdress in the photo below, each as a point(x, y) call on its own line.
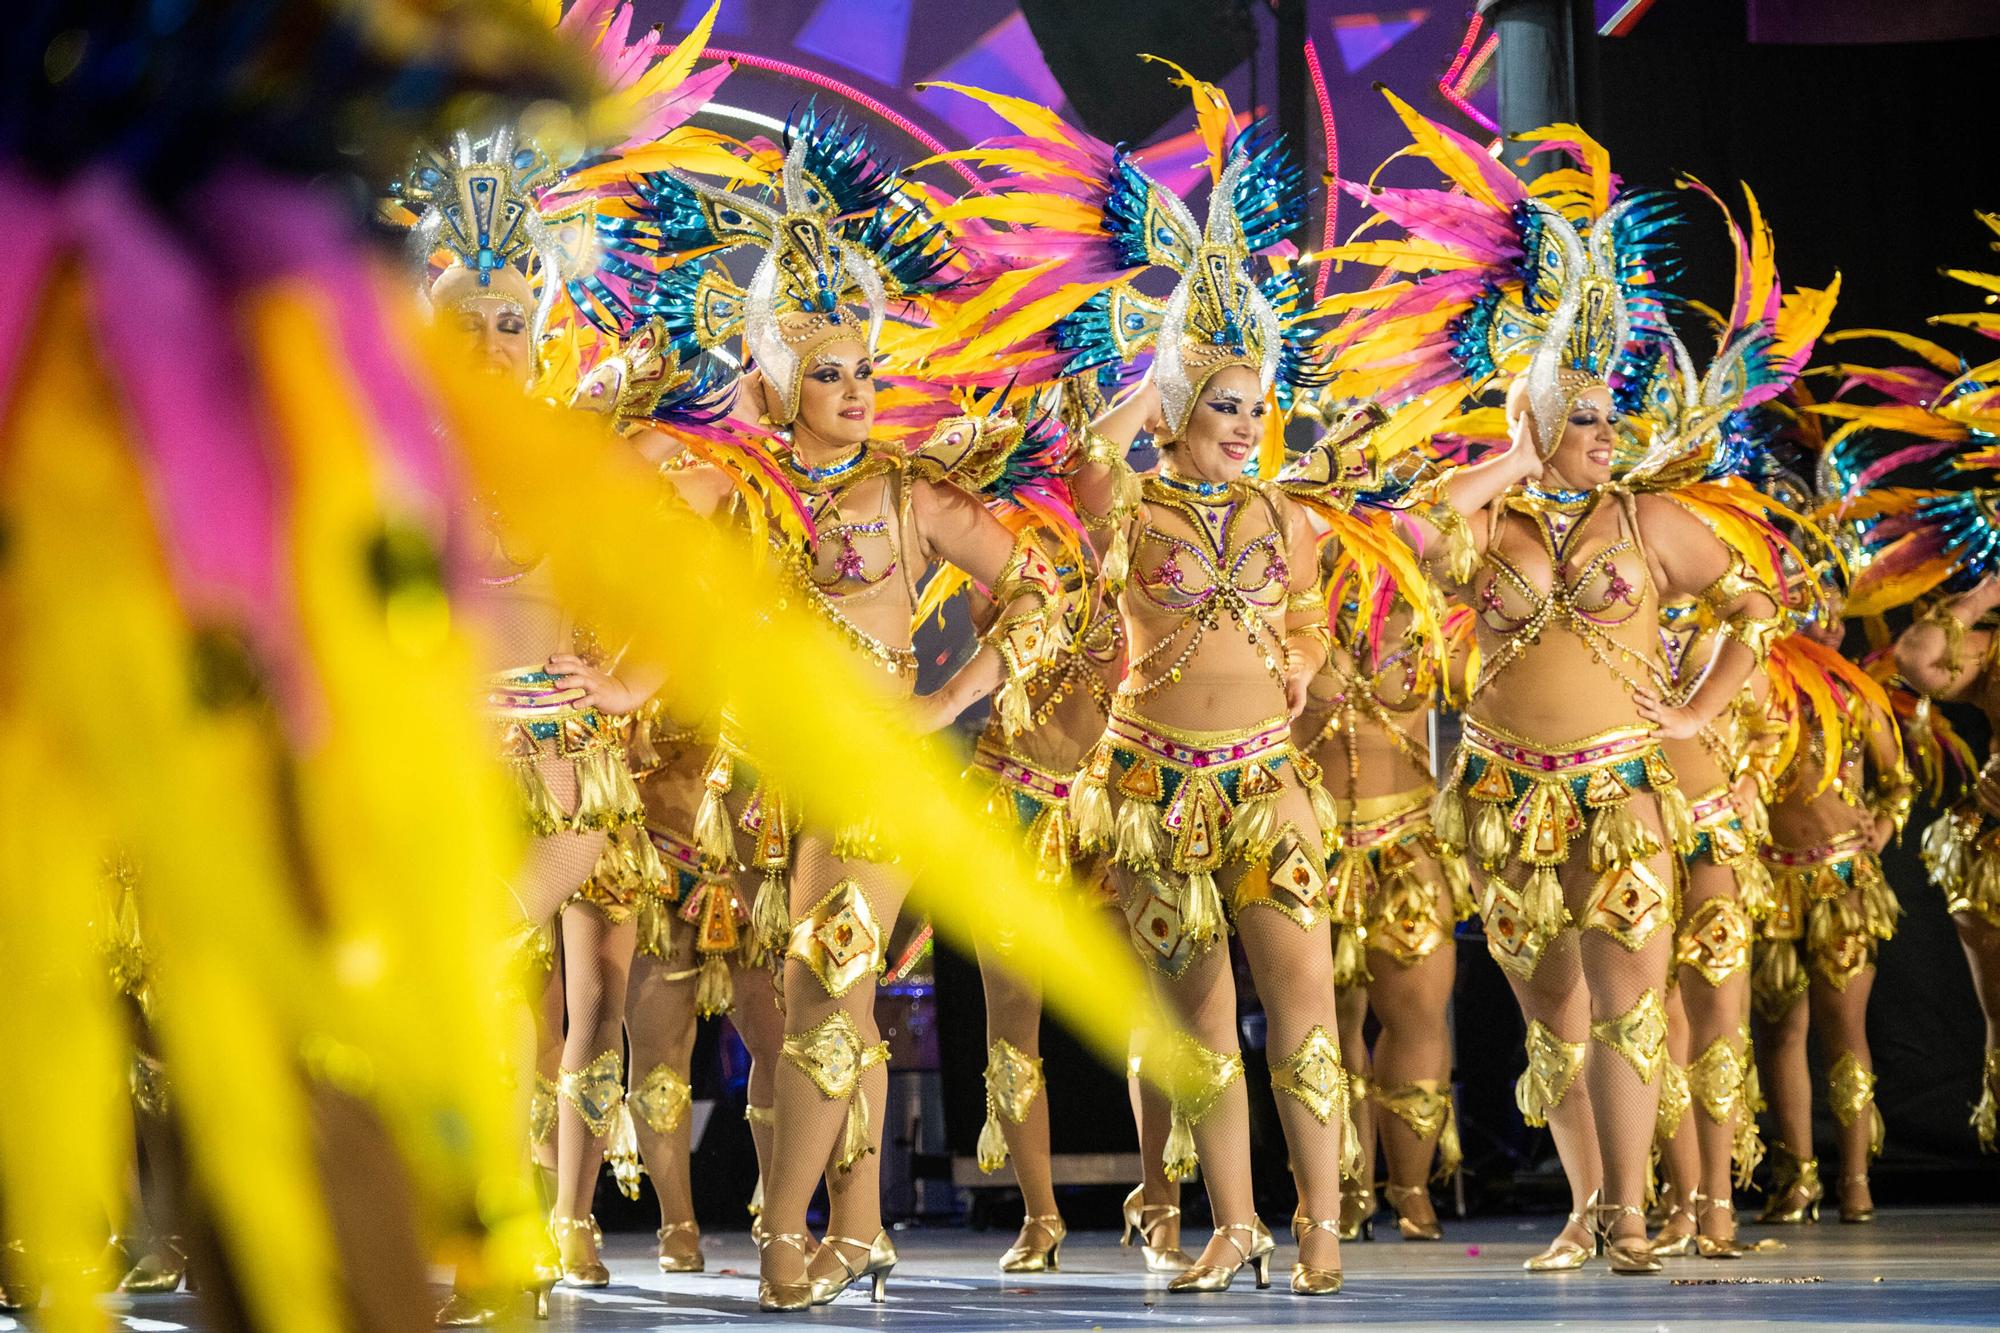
point(1087, 219)
point(1914, 466)
point(1554, 279)
point(501, 207)
point(838, 240)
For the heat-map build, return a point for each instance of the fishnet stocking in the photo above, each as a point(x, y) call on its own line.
point(1781, 1065)
point(1014, 1015)
point(1841, 1019)
point(808, 1127)
point(1153, 1116)
point(1680, 1155)
point(1414, 1042)
point(1351, 1008)
point(660, 1030)
point(1555, 997)
point(1712, 1012)
point(597, 960)
point(1296, 967)
point(556, 866)
point(1623, 1108)
point(549, 1051)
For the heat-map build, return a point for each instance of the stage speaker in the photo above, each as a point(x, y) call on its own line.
point(1093, 50)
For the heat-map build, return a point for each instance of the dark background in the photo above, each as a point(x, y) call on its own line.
point(1869, 133)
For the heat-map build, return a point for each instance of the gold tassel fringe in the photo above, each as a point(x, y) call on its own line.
point(1201, 908)
point(1489, 835)
point(714, 989)
point(621, 1150)
point(1618, 838)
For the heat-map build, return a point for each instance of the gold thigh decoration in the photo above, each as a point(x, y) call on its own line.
point(1425, 1106)
point(1715, 941)
point(542, 1110)
point(1287, 880)
point(1553, 1065)
point(1850, 1091)
point(662, 1099)
point(1629, 904)
point(833, 1056)
point(1202, 1077)
point(1515, 942)
point(1313, 1075)
point(595, 1090)
point(1013, 1081)
point(1639, 1034)
point(839, 938)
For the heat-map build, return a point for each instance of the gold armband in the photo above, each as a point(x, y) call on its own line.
point(1893, 797)
point(1460, 557)
point(1025, 640)
point(1312, 598)
point(1316, 631)
point(1954, 635)
point(1757, 633)
point(1101, 450)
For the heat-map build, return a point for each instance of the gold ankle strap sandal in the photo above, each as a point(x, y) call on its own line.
point(1627, 1254)
point(1306, 1279)
point(1217, 1277)
point(1031, 1256)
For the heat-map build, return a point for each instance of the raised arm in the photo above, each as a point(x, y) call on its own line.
point(1450, 531)
point(1690, 560)
point(1941, 654)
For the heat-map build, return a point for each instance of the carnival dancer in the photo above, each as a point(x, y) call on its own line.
point(1920, 480)
point(1829, 899)
point(1397, 892)
point(1028, 777)
point(834, 244)
point(1560, 788)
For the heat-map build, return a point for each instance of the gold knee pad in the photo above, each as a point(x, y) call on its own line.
point(1553, 1065)
point(1013, 1081)
point(1425, 1106)
point(1199, 1079)
point(1312, 1074)
point(834, 1057)
point(1715, 941)
point(1675, 1099)
point(662, 1099)
point(595, 1091)
point(1850, 1091)
point(1715, 1079)
point(1639, 1034)
point(839, 938)
point(1629, 904)
point(542, 1110)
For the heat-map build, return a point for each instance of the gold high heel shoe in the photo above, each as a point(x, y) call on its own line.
point(1566, 1256)
point(1357, 1215)
point(1026, 1257)
point(589, 1272)
point(779, 1297)
point(1215, 1277)
point(161, 1269)
point(1628, 1255)
point(1159, 1258)
point(1412, 1230)
point(1677, 1247)
point(1854, 1213)
point(1713, 1247)
point(682, 1263)
point(880, 1262)
point(1795, 1186)
point(1310, 1281)
point(464, 1311)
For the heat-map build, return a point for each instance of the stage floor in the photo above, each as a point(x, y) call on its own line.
point(1911, 1268)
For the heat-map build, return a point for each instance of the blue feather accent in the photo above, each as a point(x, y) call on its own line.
point(840, 157)
point(1271, 197)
